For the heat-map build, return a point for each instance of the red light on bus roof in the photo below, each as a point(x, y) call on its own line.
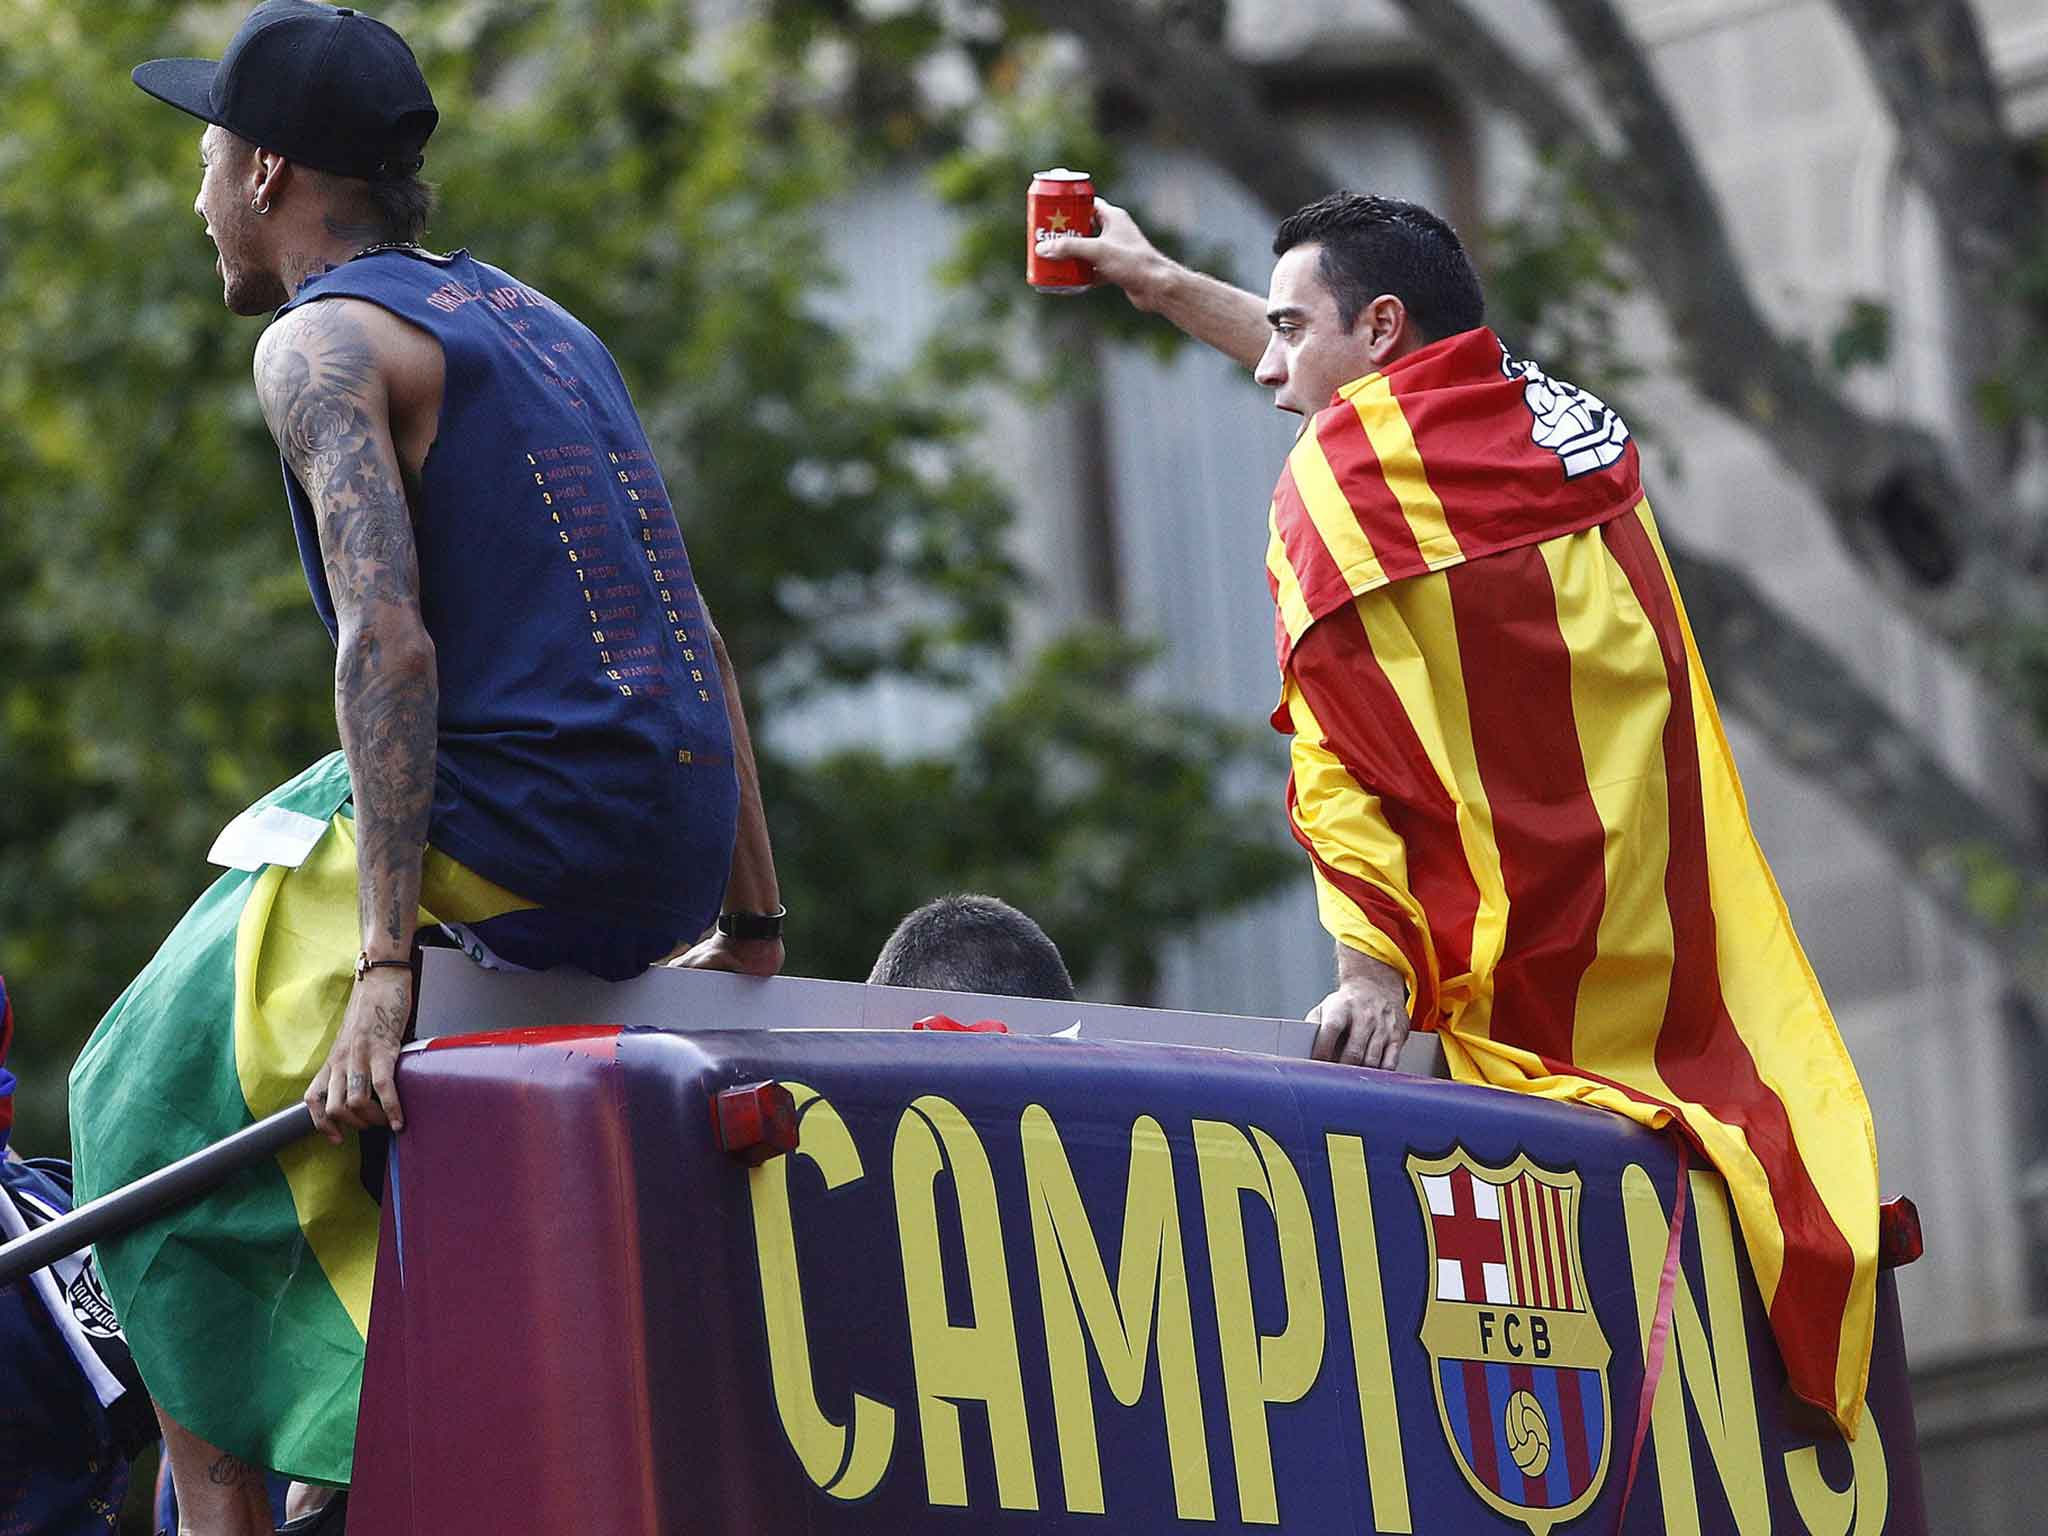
point(951, 1025)
point(1898, 1233)
point(755, 1121)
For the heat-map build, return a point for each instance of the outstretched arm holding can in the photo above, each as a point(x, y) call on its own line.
point(1210, 310)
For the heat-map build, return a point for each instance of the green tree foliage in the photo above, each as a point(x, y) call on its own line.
point(155, 662)
point(1554, 280)
point(160, 664)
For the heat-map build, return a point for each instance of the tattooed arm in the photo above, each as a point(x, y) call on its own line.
point(324, 374)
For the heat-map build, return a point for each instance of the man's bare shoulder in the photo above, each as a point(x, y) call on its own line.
point(358, 350)
point(357, 338)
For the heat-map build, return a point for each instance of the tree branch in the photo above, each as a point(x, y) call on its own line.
point(1928, 61)
point(1468, 51)
point(1821, 722)
point(1889, 488)
point(1181, 83)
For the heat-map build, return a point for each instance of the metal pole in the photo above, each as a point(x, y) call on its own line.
point(153, 1194)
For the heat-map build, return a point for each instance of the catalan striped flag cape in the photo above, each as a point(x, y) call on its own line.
point(1510, 777)
point(247, 1312)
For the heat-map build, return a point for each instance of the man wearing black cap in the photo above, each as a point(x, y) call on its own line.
point(544, 761)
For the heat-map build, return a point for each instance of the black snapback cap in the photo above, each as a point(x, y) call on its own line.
point(320, 84)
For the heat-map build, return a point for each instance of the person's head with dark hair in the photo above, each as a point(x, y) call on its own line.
point(973, 944)
point(1371, 245)
point(318, 121)
point(1360, 282)
point(275, 222)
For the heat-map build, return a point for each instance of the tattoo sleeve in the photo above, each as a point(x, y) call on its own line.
point(318, 378)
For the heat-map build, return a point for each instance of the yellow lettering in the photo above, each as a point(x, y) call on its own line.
point(846, 1464)
point(1371, 1354)
point(1716, 1379)
point(1857, 1510)
point(978, 1361)
point(1119, 1324)
point(1258, 1368)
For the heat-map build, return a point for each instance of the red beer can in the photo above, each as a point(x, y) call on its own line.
point(1060, 202)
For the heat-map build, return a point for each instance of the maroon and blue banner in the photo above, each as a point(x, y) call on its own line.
point(1052, 1285)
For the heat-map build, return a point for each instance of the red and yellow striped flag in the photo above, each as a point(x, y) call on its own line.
point(1514, 788)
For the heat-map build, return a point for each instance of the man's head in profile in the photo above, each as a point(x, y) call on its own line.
point(973, 944)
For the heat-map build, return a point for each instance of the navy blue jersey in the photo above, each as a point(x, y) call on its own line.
point(585, 758)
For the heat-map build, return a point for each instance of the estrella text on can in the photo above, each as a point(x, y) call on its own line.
point(1060, 202)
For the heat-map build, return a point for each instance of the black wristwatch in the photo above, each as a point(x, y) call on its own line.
point(752, 925)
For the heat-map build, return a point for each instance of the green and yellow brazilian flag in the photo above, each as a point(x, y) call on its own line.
point(247, 1311)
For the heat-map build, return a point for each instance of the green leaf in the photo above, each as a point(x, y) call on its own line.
point(1863, 339)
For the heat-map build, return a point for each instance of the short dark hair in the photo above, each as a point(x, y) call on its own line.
point(1374, 245)
point(395, 207)
point(973, 944)
point(402, 205)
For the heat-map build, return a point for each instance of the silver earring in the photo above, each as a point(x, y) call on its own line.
point(258, 207)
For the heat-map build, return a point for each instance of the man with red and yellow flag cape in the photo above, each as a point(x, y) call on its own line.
point(1526, 829)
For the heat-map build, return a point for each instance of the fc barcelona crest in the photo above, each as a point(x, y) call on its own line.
point(1516, 1353)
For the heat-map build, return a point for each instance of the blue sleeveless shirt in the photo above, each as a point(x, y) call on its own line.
point(585, 759)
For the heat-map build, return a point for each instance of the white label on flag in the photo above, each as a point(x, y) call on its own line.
point(267, 834)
